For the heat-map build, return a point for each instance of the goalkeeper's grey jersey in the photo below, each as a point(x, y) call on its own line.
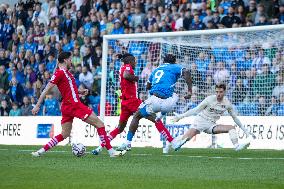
point(214, 109)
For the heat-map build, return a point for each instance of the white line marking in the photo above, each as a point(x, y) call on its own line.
point(171, 155)
point(57, 151)
point(141, 154)
point(226, 157)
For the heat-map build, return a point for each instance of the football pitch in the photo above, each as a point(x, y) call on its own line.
point(142, 168)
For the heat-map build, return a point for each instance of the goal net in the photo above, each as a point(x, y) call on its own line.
point(249, 60)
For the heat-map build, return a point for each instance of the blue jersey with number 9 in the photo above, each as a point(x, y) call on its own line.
point(163, 79)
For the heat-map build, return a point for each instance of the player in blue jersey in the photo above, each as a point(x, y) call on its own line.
point(161, 85)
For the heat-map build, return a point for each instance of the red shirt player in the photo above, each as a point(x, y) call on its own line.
point(71, 107)
point(129, 99)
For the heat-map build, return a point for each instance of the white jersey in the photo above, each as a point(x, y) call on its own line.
point(212, 109)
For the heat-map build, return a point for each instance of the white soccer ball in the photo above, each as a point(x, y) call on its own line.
point(78, 149)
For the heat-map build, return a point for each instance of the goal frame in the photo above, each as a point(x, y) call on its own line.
point(106, 39)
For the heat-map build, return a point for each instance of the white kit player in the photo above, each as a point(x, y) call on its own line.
point(208, 112)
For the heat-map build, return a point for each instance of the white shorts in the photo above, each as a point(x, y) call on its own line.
point(203, 125)
point(154, 105)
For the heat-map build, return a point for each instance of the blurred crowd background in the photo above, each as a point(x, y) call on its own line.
point(33, 33)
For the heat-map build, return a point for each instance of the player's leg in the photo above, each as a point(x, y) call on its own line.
point(160, 127)
point(232, 133)
point(179, 141)
point(124, 116)
point(147, 110)
point(162, 106)
point(87, 115)
point(134, 125)
point(131, 132)
point(199, 125)
point(137, 108)
point(95, 121)
point(153, 106)
point(190, 133)
point(128, 108)
point(66, 130)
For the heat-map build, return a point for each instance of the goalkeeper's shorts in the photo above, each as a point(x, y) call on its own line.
point(203, 125)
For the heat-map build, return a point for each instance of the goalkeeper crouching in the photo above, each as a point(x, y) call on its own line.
point(208, 112)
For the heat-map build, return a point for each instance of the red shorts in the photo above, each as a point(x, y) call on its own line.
point(128, 107)
point(79, 110)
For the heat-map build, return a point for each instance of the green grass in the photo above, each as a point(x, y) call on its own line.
point(142, 168)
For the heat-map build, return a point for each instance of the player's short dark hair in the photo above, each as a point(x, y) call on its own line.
point(63, 56)
point(126, 58)
point(170, 58)
point(221, 85)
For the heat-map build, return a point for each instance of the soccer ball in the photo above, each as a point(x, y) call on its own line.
point(78, 149)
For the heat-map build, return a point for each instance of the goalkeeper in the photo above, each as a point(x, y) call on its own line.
point(208, 112)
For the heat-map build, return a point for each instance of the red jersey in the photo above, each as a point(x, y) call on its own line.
point(66, 84)
point(128, 88)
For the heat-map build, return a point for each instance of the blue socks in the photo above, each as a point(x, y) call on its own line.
point(130, 135)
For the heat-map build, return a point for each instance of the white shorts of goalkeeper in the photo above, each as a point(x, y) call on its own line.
point(155, 104)
point(203, 125)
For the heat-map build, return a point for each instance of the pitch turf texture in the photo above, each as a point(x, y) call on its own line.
point(142, 168)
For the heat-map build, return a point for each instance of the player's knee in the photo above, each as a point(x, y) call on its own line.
point(94, 121)
point(121, 127)
point(137, 116)
point(98, 123)
point(66, 133)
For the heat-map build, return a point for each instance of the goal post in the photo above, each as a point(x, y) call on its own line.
point(221, 55)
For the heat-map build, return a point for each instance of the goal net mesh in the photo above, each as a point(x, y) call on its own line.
point(250, 63)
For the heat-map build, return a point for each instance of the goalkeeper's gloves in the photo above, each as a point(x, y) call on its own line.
point(176, 117)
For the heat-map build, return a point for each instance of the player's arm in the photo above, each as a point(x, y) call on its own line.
point(187, 77)
point(191, 112)
point(130, 77)
point(238, 122)
point(48, 87)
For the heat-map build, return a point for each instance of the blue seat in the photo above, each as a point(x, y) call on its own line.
point(280, 111)
point(247, 109)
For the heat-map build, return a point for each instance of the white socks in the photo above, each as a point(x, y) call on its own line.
point(234, 137)
point(41, 151)
point(110, 151)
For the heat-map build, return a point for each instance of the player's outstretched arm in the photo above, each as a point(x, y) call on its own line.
point(191, 112)
point(130, 77)
point(187, 77)
point(42, 96)
point(238, 122)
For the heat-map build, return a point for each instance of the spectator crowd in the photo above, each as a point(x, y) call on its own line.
point(33, 33)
